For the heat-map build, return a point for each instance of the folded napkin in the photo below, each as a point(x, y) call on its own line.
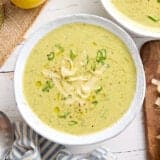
point(28, 145)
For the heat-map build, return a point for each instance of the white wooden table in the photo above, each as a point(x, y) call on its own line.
point(129, 145)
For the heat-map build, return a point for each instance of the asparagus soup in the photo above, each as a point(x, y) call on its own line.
point(79, 79)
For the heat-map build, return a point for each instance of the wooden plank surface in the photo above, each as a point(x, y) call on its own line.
point(150, 53)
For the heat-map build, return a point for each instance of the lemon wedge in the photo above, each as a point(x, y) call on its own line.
point(27, 4)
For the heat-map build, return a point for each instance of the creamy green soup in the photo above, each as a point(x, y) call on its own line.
point(79, 79)
point(145, 12)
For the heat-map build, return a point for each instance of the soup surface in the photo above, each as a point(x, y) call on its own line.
point(79, 79)
point(145, 12)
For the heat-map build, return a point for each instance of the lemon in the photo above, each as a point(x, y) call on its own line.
point(27, 4)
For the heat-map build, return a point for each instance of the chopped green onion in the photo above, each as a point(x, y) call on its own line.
point(59, 47)
point(95, 102)
point(63, 115)
point(98, 89)
point(47, 86)
point(50, 56)
point(101, 56)
point(93, 67)
point(72, 55)
point(71, 123)
point(45, 89)
point(87, 59)
point(153, 18)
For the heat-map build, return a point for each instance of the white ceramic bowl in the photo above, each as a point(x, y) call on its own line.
point(128, 23)
point(64, 138)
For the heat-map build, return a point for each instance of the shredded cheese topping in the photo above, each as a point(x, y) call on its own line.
point(64, 78)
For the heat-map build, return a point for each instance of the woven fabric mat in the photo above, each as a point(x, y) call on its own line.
point(16, 23)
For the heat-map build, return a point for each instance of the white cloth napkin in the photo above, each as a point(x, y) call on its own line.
point(28, 145)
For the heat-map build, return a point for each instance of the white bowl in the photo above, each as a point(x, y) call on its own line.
point(129, 24)
point(64, 138)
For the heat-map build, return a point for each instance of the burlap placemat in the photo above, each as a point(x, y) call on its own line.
point(16, 23)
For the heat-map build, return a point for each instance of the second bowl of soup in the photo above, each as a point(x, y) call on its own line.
point(139, 16)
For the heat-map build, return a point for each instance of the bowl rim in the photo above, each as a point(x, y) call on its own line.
point(129, 24)
point(64, 138)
